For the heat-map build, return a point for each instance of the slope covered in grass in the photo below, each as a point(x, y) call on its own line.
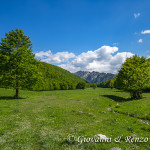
point(44, 119)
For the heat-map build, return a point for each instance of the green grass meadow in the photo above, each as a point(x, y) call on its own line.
point(43, 120)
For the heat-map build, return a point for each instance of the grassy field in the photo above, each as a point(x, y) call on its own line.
point(44, 120)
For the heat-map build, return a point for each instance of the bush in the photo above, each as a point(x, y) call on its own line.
point(94, 86)
point(81, 85)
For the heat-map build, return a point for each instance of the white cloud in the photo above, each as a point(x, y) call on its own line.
point(70, 67)
point(140, 41)
point(59, 57)
point(42, 54)
point(136, 15)
point(145, 32)
point(104, 59)
point(101, 60)
point(148, 57)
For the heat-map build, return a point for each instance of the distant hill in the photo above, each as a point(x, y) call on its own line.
point(52, 77)
point(95, 77)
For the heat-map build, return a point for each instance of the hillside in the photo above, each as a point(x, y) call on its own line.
point(95, 77)
point(54, 78)
point(51, 77)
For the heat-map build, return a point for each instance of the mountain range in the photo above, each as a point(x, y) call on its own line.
point(95, 77)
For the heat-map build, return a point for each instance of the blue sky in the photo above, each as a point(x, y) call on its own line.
point(68, 32)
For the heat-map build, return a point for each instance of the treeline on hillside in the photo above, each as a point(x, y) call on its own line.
point(112, 84)
point(105, 84)
point(55, 78)
point(108, 84)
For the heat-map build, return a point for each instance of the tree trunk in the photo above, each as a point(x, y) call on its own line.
point(17, 93)
point(136, 94)
point(17, 88)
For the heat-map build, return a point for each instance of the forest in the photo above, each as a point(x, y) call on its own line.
point(55, 78)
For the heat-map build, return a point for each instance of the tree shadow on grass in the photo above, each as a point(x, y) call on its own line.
point(146, 91)
point(117, 98)
point(10, 98)
point(119, 91)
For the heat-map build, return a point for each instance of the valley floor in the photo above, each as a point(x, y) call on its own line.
point(47, 120)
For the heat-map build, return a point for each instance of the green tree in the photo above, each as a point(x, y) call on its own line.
point(81, 85)
point(111, 83)
point(134, 76)
point(64, 85)
point(56, 86)
point(94, 86)
point(104, 84)
point(18, 65)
